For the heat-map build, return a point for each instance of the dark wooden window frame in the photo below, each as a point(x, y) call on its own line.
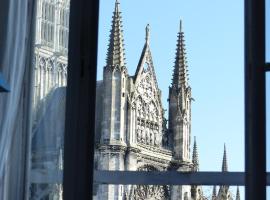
point(80, 112)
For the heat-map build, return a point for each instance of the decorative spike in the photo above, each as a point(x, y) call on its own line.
point(115, 55)
point(214, 194)
point(147, 34)
point(237, 194)
point(224, 161)
point(180, 67)
point(116, 8)
point(195, 157)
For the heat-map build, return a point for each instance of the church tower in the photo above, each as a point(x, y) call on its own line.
point(112, 145)
point(180, 117)
point(114, 76)
point(180, 105)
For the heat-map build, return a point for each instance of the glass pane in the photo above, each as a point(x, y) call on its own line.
point(164, 192)
point(143, 125)
point(48, 115)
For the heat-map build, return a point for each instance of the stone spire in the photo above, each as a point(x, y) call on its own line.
point(237, 194)
point(214, 194)
point(116, 55)
point(224, 161)
point(147, 34)
point(195, 157)
point(180, 75)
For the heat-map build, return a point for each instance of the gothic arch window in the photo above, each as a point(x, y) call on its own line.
point(148, 115)
point(47, 23)
point(63, 29)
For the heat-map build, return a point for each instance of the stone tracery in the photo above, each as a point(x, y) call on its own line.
point(149, 192)
point(148, 112)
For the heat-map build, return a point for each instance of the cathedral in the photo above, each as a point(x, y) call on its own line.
point(131, 130)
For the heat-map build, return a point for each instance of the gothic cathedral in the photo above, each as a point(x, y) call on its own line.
point(131, 130)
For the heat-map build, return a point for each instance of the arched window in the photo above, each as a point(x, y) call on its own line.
point(47, 23)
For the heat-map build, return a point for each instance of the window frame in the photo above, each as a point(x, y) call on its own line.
point(80, 113)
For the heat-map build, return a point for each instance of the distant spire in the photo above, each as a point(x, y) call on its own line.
point(237, 194)
point(116, 55)
point(195, 156)
point(214, 194)
point(180, 75)
point(224, 161)
point(147, 34)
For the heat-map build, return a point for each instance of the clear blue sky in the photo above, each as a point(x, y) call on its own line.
point(214, 33)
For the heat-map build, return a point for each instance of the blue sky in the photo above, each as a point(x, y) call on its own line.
point(214, 34)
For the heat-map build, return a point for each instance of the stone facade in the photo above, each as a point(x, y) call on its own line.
point(50, 79)
point(131, 130)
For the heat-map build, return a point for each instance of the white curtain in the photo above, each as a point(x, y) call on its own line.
point(16, 25)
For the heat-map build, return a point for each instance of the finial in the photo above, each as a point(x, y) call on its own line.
point(180, 25)
point(224, 162)
point(147, 33)
point(116, 6)
point(237, 194)
point(195, 156)
point(214, 193)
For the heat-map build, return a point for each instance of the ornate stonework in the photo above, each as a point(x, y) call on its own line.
point(131, 131)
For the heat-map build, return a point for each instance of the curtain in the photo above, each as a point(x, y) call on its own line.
point(16, 39)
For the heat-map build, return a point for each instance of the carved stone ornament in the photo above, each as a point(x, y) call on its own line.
point(149, 192)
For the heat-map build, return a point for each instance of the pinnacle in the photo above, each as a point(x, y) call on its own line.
point(195, 157)
point(147, 34)
point(224, 161)
point(115, 55)
point(180, 76)
point(237, 194)
point(214, 194)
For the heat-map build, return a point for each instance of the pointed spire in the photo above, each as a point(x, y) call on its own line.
point(214, 194)
point(147, 34)
point(195, 157)
point(237, 194)
point(116, 55)
point(224, 161)
point(180, 75)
